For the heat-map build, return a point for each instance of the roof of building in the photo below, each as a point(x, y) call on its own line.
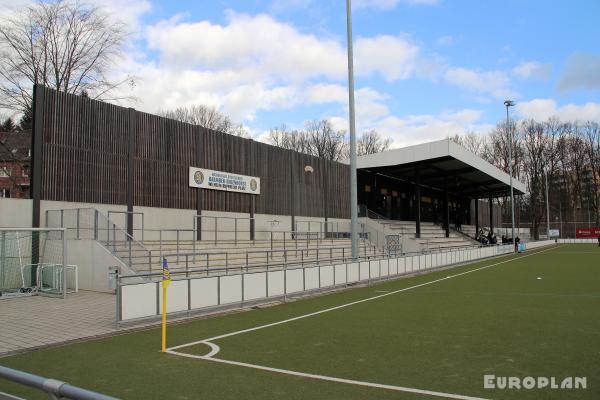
point(442, 163)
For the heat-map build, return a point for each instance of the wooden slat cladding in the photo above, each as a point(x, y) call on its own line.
point(85, 160)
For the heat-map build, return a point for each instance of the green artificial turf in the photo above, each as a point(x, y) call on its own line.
point(444, 337)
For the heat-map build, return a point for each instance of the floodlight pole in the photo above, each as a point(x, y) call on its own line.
point(510, 103)
point(353, 195)
point(547, 202)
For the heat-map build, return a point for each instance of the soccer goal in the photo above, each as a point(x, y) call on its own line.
point(32, 260)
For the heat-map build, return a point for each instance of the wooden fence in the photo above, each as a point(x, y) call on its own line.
point(95, 152)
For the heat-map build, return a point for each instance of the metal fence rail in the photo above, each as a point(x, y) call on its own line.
point(204, 264)
point(91, 224)
point(54, 388)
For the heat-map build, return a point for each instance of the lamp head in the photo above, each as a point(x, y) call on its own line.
point(509, 103)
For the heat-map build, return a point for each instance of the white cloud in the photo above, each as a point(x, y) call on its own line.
point(129, 12)
point(248, 42)
point(326, 93)
point(416, 129)
point(542, 109)
point(253, 63)
point(389, 4)
point(582, 72)
point(393, 57)
point(494, 83)
point(533, 69)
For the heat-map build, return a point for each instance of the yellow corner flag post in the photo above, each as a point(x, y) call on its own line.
point(165, 283)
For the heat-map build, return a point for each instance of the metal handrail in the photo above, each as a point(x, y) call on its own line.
point(268, 253)
point(134, 213)
point(110, 227)
point(54, 388)
point(294, 264)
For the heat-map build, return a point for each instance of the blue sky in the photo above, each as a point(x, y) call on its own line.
point(425, 69)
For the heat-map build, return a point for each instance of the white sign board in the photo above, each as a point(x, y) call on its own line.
point(554, 233)
point(218, 180)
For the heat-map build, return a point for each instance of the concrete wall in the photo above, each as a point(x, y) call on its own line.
point(15, 213)
point(93, 262)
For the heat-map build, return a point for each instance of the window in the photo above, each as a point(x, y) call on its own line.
point(25, 170)
point(4, 193)
point(5, 172)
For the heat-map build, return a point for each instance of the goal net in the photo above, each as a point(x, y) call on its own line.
point(33, 260)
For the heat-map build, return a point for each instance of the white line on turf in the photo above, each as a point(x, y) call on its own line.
point(215, 348)
point(332, 378)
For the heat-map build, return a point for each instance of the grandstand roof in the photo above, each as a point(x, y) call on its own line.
point(443, 162)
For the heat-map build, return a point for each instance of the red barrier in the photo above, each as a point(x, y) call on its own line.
point(587, 233)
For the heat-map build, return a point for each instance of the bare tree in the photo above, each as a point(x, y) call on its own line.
point(206, 116)
point(281, 136)
point(62, 44)
point(591, 134)
point(324, 141)
point(371, 142)
point(473, 142)
point(318, 138)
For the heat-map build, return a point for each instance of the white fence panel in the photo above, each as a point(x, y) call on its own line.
point(255, 285)
point(204, 292)
point(364, 270)
point(402, 265)
point(177, 296)
point(393, 266)
point(327, 276)
point(231, 289)
point(384, 267)
point(340, 274)
point(294, 280)
point(353, 272)
point(138, 301)
point(311, 278)
point(275, 283)
point(422, 262)
point(374, 269)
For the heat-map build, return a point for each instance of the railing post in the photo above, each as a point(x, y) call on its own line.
point(216, 225)
point(177, 232)
point(64, 262)
point(95, 224)
point(271, 240)
point(160, 243)
point(150, 261)
point(235, 228)
point(114, 239)
point(129, 242)
point(62, 218)
point(78, 210)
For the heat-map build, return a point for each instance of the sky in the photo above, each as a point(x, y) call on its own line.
point(424, 69)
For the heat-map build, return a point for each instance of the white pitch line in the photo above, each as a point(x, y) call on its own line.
point(215, 348)
point(330, 378)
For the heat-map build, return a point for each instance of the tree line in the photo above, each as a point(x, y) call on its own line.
point(568, 152)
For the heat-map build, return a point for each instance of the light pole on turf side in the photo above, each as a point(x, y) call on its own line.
point(510, 103)
point(353, 194)
point(547, 201)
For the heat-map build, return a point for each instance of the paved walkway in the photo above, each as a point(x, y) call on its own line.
point(37, 321)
